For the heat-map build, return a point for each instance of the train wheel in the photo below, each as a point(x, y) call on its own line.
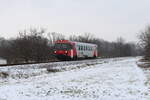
point(94, 56)
point(75, 58)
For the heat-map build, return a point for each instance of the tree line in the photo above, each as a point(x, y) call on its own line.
point(37, 45)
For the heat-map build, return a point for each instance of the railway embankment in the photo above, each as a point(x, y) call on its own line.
point(145, 66)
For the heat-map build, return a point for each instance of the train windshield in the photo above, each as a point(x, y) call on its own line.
point(63, 46)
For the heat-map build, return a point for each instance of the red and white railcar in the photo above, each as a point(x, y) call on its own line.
point(65, 49)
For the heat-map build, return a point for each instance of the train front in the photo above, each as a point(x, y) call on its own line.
point(63, 50)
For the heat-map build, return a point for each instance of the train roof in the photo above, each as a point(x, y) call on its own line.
point(68, 41)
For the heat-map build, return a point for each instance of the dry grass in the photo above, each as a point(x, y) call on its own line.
point(4, 74)
point(143, 63)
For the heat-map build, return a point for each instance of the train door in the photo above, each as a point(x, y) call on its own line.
point(79, 49)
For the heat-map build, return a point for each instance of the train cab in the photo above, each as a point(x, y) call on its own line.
point(64, 49)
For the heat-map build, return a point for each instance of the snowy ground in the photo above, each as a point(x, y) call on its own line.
point(104, 79)
point(147, 73)
point(145, 66)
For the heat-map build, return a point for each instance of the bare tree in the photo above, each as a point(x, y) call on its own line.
point(30, 46)
point(73, 38)
point(145, 42)
point(53, 36)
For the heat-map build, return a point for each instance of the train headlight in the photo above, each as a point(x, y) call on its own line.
point(66, 51)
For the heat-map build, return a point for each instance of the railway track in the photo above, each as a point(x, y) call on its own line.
point(30, 70)
point(24, 71)
point(5, 65)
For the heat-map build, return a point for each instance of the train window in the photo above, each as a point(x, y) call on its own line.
point(63, 46)
point(78, 47)
point(90, 48)
point(86, 48)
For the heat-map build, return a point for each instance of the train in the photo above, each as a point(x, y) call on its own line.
point(71, 50)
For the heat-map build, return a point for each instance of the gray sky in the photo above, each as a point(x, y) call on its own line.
point(107, 19)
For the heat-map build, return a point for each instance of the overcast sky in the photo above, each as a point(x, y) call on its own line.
point(107, 19)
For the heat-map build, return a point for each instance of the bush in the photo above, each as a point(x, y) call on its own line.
point(27, 48)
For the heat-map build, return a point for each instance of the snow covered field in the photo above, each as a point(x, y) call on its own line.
point(103, 79)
